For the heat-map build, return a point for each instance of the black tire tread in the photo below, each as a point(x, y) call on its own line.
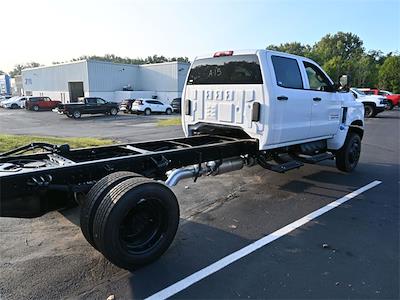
point(104, 210)
point(94, 197)
point(341, 153)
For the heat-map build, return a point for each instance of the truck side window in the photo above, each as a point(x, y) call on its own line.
point(91, 101)
point(317, 78)
point(287, 72)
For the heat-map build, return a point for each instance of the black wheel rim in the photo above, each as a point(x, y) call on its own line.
point(143, 226)
point(354, 153)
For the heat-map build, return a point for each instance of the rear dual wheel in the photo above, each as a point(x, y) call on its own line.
point(133, 220)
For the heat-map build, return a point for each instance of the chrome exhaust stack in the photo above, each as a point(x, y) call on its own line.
point(210, 168)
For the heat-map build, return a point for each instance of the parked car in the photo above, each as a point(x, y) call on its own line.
point(392, 99)
point(40, 103)
point(148, 106)
point(4, 98)
point(14, 102)
point(176, 105)
point(373, 105)
point(88, 105)
point(126, 105)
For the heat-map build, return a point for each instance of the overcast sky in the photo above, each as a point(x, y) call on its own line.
point(57, 30)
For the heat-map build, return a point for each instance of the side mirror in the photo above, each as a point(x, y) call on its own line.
point(344, 83)
point(344, 80)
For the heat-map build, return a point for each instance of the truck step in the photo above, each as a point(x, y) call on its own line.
point(313, 159)
point(287, 166)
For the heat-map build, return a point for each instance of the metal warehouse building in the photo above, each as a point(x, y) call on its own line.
point(110, 81)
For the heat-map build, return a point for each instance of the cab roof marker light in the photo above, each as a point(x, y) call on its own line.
point(223, 53)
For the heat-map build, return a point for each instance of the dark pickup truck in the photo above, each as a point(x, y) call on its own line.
point(88, 105)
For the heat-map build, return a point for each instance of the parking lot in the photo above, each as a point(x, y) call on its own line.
point(351, 251)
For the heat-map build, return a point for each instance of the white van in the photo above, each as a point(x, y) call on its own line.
point(282, 100)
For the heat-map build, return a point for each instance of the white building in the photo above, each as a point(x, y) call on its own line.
point(110, 81)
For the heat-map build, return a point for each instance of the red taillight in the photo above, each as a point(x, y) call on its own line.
point(223, 53)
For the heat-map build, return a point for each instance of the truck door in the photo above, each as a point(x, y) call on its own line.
point(90, 105)
point(326, 103)
point(289, 102)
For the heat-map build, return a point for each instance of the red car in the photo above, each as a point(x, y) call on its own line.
point(41, 103)
point(393, 99)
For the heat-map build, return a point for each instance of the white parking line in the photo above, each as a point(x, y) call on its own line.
point(231, 258)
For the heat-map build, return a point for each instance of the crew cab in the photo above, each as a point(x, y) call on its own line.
point(392, 99)
point(40, 103)
point(286, 102)
point(88, 105)
point(373, 104)
point(239, 108)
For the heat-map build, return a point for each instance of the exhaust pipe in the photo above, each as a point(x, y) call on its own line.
point(212, 168)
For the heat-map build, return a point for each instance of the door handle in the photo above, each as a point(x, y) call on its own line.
point(317, 99)
point(282, 98)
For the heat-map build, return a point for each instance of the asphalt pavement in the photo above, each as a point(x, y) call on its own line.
point(351, 251)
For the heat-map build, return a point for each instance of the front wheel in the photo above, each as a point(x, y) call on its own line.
point(390, 105)
point(35, 108)
point(348, 156)
point(168, 111)
point(136, 222)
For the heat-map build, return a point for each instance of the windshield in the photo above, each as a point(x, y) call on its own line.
point(359, 92)
point(237, 69)
point(11, 99)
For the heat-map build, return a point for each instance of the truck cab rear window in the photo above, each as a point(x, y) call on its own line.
point(238, 69)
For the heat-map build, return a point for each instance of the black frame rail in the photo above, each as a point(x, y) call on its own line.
point(26, 193)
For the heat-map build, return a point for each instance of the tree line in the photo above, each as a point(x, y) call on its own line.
point(344, 53)
point(338, 54)
point(107, 57)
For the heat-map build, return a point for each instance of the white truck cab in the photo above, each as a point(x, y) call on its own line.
point(373, 104)
point(286, 102)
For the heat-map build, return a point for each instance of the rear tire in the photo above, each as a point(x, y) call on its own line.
point(348, 156)
point(113, 111)
point(369, 111)
point(168, 111)
point(147, 112)
point(136, 222)
point(76, 114)
point(94, 198)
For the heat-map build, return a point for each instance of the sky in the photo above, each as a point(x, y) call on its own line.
point(59, 30)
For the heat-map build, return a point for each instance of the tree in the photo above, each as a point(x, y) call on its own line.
point(126, 60)
point(339, 54)
point(293, 48)
point(389, 74)
point(18, 68)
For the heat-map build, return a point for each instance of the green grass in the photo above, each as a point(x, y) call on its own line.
point(169, 122)
point(9, 142)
